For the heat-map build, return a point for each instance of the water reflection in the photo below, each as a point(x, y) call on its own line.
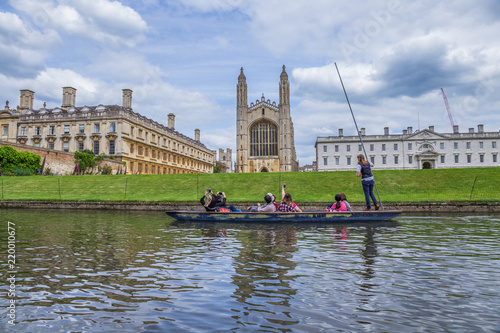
point(96, 271)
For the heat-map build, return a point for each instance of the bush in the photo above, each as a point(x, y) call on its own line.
point(12, 159)
point(21, 172)
point(105, 169)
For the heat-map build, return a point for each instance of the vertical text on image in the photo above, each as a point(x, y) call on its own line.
point(11, 273)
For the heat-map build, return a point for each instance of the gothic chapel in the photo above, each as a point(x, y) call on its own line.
point(264, 131)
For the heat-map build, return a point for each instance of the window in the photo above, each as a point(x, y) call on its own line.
point(469, 158)
point(481, 145)
point(493, 144)
point(455, 145)
point(111, 147)
point(348, 160)
point(337, 161)
point(66, 146)
point(6, 130)
point(80, 146)
point(481, 158)
point(264, 139)
point(336, 148)
point(81, 128)
point(494, 158)
point(410, 146)
point(442, 158)
point(348, 147)
point(51, 145)
point(23, 131)
point(395, 146)
point(384, 160)
point(131, 148)
point(372, 159)
point(37, 130)
point(139, 150)
point(37, 144)
point(468, 145)
point(456, 158)
point(66, 129)
point(97, 128)
point(52, 130)
point(140, 134)
point(441, 145)
point(325, 160)
point(325, 149)
point(372, 147)
point(112, 127)
point(96, 147)
point(383, 147)
point(410, 159)
point(360, 148)
point(396, 159)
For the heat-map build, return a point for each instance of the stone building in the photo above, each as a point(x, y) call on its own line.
point(144, 145)
point(226, 160)
point(264, 131)
point(424, 149)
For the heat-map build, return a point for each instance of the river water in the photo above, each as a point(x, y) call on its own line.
point(143, 272)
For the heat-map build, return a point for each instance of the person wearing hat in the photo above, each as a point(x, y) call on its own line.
point(268, 207)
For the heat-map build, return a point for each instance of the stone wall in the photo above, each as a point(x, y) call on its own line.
point(420, 208)
point(59, 162)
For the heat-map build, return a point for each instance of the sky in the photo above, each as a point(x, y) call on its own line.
point(184, 57)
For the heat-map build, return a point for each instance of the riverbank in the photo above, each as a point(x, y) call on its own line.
point(431, 207)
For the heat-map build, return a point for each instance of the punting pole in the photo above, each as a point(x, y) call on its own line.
point(359, 134)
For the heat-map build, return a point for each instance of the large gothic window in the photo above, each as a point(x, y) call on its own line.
point(263, 139)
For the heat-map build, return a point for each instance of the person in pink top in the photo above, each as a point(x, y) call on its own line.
point(338, 206)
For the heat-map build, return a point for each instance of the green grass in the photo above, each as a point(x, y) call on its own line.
point(441, 185)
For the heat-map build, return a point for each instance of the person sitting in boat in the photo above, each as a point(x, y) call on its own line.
point(344, 200)
point(220, 199)
point(268, 207)
point(287, 204)
point(208, 201)
point(338, 206)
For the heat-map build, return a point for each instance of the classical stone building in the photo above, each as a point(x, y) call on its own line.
point(424, 149)
point(144, 145)
point(264, 131)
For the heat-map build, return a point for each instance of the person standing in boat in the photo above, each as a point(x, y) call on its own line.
point(287, 204)
point(364, 170)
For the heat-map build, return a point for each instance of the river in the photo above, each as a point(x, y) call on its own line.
point(95, 271)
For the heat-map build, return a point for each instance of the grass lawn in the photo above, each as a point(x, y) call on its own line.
point(438, 185)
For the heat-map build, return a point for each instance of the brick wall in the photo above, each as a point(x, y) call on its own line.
point(60, 163)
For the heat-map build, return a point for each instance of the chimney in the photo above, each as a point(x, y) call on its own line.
point(480, 128)
point(341, 132)
point(26, 100)
point(431, 128)
point(362, 131)
point(410, 130)
point(386, 130)
point(197, 135)
point(471, 130)
point(171, 121)
point(69, 96)
point(127, 98)
point(455, 129)
point(405, 132)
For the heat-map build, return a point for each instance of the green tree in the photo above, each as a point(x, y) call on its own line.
point(88, 160)
point(11, 159)
point(217, 169)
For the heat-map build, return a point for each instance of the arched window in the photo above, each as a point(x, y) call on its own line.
point(263, 139)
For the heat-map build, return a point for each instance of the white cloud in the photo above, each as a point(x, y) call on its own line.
point(22, 50)
point(101, 20)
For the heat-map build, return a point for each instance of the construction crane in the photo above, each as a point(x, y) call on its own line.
point(448, 109)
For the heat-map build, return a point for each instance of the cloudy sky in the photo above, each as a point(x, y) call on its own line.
point(184, 57)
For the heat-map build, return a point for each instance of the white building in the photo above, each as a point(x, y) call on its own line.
point(424, 149)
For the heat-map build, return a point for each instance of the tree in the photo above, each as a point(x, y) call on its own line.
point(11, 159)
point(217, 169)
point(87, 160)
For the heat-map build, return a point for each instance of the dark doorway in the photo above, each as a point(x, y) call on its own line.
point(264, 170)
point(426, 165)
